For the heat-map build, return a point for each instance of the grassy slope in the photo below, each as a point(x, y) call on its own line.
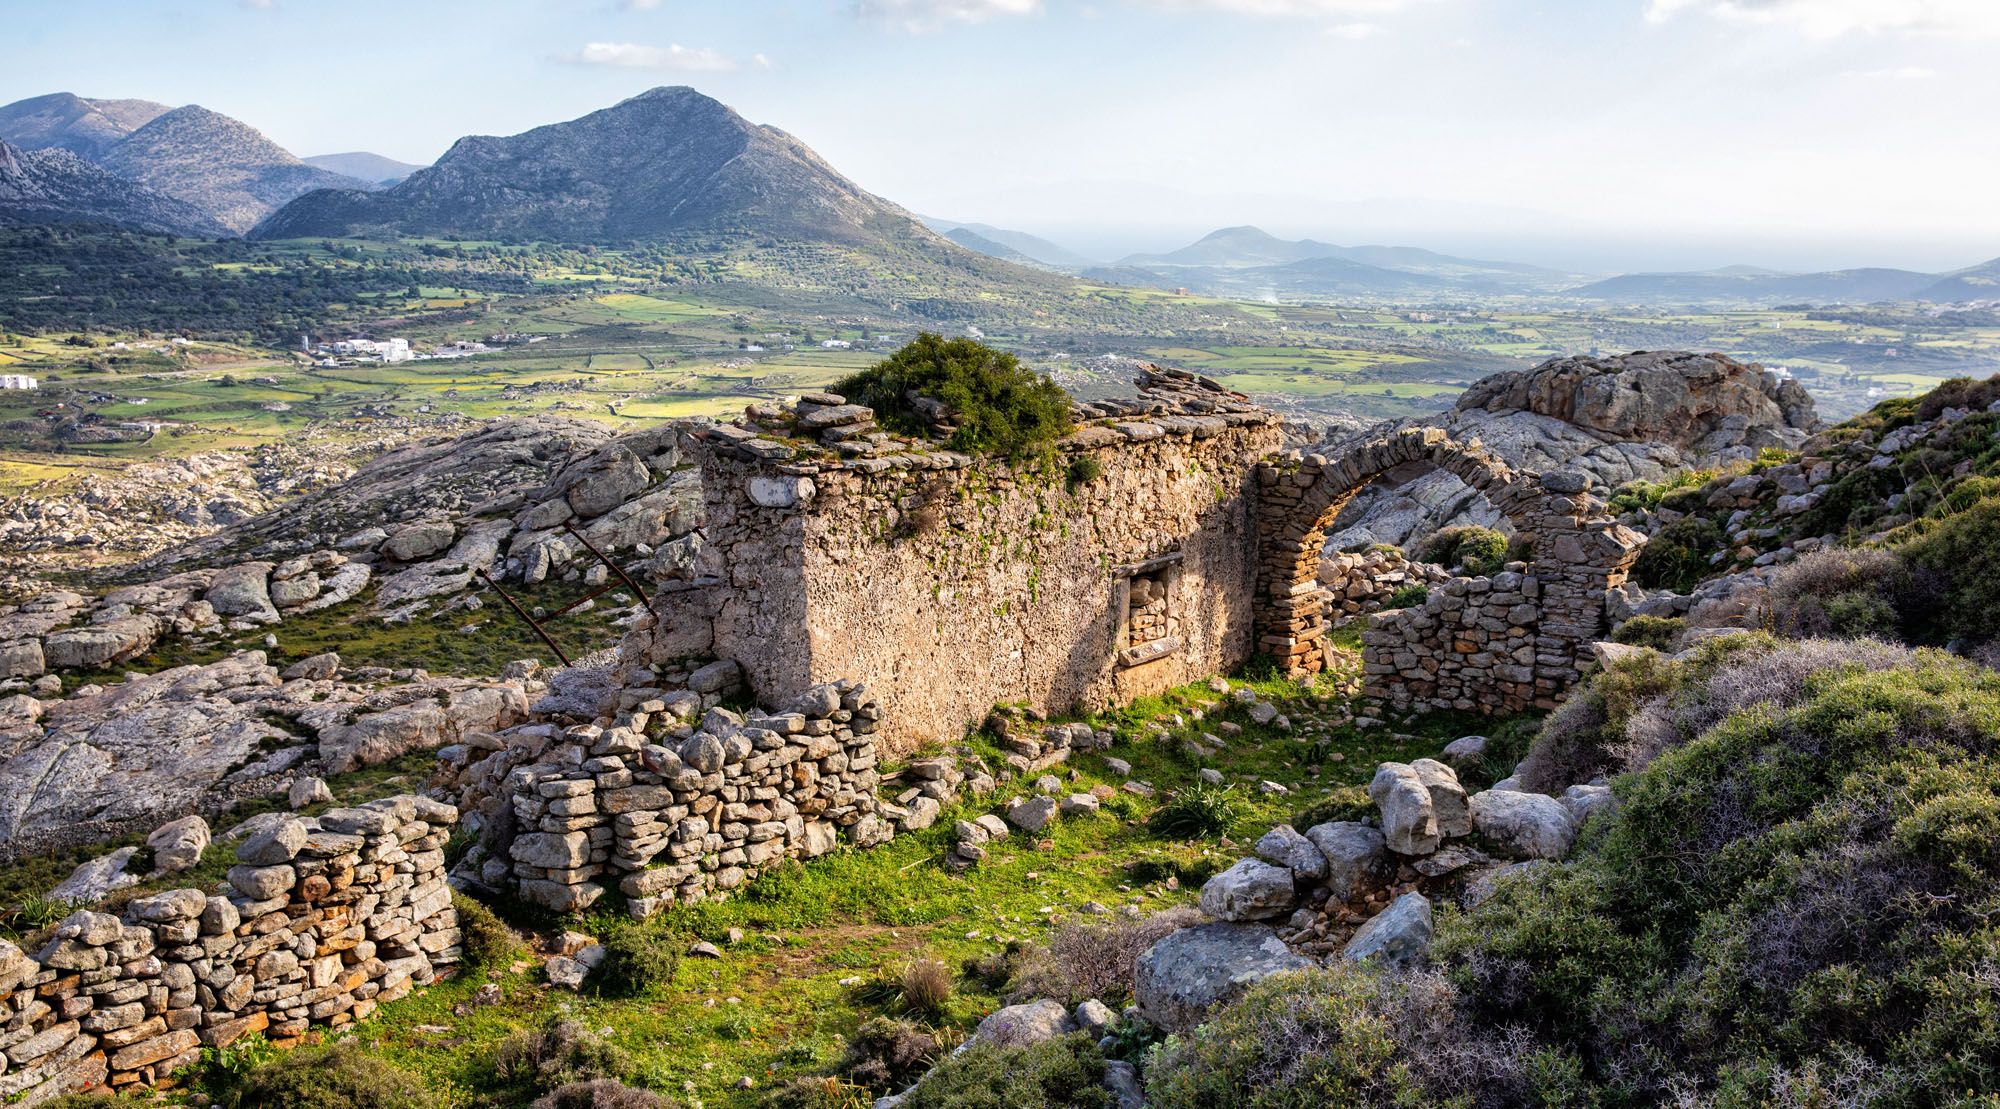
point(773, 1007)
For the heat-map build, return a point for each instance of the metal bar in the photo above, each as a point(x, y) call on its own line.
point(590, 596)
point(519, 611)
point(613, 566)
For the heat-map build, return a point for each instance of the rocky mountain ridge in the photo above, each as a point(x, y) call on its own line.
point(225, 171)
point(57, 186)
point(222, 166)
point(664, 163)
point(65, 121)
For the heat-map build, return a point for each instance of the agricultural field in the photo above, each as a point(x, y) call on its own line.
point(208, 360)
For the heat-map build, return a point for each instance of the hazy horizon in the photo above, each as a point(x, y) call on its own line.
point(1601, 136)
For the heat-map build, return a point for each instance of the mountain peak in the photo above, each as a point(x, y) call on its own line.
point(667, 162)
point(70, 122)
point(221, 165)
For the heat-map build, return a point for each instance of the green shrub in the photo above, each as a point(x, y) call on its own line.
point(1677, 556)
point(1481, 551)
point(484, 938)
point(1839, 591)
point(1796, 894)
point(1958, 392)
point(1640, 494)
point(886, 1055)
point(1960, 550)
point(1584, 737)
point(1409, 596)
point(1345, 803)
point(600, 1093)
point(559, 1053)
point(1293, 1041)
point(1083, 470)
point(638, 962)
point(337, 1076)
point(1063, 1073)
point(1197, 810)
point(1661, 633)
point(997, 406)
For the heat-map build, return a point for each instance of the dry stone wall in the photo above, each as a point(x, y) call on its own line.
point(319, 926)
point(948, 583)
point(664, 810)
point(1360, 582)
point(1519, 639)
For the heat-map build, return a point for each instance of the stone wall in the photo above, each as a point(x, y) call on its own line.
point(1360, 582)
point(1503, 644)
point(666, 809)
point(319, 927)
point(948, 583)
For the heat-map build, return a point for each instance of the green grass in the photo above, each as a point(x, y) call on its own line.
point(773, 1008)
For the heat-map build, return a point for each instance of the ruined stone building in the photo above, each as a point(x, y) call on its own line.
point(1175, 539)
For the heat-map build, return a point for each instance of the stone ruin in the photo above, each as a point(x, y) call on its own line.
point(948, 583)
point(318, 928)
point(1177, 541)
point(673, 803)
point(1512, 641)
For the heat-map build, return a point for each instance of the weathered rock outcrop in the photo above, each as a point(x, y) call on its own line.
point(194, 739)
point(1191, 971)
point(1618, 418)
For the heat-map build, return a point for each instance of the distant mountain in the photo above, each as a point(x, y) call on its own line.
point(974, 241)
point(1980, 282)
point(1236, 246)
point(1251, 246)
point(1311, 278)
point(1750, 285)
point(363, 166)
point(57, 186)
point(222, 166)
point(1248, 261)
point(69, 122)
point(664, 164)
point(1018, 245)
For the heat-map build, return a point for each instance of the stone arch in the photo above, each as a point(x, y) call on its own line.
point(1499, 644)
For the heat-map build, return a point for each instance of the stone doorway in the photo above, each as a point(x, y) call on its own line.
point(1517, 639)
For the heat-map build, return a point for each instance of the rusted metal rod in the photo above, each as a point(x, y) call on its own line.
point(522, 613)
point(612, 566)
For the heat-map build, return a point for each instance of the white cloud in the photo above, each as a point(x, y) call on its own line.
point(1833, 18)
point(632, 55)
point(1354, 32)
point(761, 61)
point(1290, 8)
point(638, 5)
point(931, 15)
point(260, 5)
point(1894, 73)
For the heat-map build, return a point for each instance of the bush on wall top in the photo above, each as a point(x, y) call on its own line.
point(997, 406)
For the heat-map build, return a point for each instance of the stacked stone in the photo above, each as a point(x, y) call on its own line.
point(1032, 751)
point(320, 925)
point(728, 798)
point(1471, 646)
point(1520, 639)
point(979, 560)
point(1361, 582)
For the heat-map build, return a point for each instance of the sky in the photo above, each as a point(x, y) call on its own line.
point(1596, 135)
